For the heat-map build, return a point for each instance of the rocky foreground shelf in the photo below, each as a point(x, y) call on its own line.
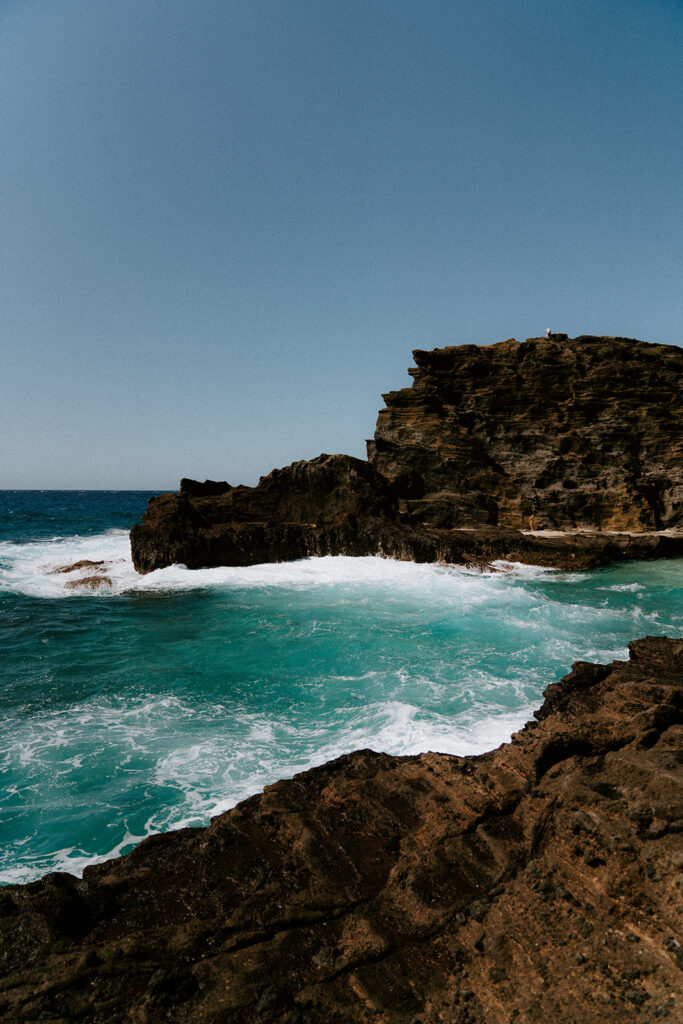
point(538, 883)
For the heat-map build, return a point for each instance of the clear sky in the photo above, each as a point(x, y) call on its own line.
point(225, 224)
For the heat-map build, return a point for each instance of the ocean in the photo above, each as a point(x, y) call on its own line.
point(162, 700)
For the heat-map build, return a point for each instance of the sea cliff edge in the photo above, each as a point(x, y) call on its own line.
point(583, 434)
point(537, 883)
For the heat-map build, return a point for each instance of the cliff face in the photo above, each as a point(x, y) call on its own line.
point(585, 432)
point(538, 883)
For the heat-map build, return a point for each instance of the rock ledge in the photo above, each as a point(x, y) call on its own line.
point(538, 883)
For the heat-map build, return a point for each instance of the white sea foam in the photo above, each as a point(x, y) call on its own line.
point(521, 570)
point(625, 587)
point(391, 727)
point(213, 758)
point(29, 569)
point(70, 859)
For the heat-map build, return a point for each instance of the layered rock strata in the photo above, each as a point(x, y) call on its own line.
point(538, 884)
point(587, 434)
point(583, 432)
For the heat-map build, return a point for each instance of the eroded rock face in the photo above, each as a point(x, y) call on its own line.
point(586, 432)
point(317, 507)
point(583, 432)
point(538, 883)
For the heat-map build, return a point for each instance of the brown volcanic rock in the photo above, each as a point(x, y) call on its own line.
point(538, 883)
point(214, 531)
point(89, 583)
point(585, 432)
point(84, 563)
point(306, 508)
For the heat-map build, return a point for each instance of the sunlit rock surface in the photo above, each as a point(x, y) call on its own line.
point(583, 432)
point(538, 883)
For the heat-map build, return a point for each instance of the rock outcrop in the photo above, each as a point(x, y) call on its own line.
point(586, 433)
point(539, 884)
point(96, 580)
point(320, 507)
point(583, 432)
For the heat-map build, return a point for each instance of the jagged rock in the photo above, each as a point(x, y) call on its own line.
point(585, 432)
point(307, 508)
point(527, 884)
point(199, 490)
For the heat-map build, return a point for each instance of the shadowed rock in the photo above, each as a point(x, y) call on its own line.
point(199, 490)
point(538, 883)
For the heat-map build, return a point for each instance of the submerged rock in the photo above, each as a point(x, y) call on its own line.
point(88, 583)
point(538, 883)
point(586, 434)
point(84, 563)
point(95, 581)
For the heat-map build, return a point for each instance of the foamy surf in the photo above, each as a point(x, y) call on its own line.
point(31, 568)
point(203, 773)
point(35, 569)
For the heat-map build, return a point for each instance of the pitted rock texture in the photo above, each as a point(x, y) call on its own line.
point(583, 432)
point(537, 884)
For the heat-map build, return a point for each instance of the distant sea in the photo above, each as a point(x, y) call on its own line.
point(164, 699)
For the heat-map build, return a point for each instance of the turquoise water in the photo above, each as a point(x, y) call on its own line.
point(159, 701)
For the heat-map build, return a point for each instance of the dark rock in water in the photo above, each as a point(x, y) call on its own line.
point(522, 885)
point(88, 583)
point(85, 563)
point(585, 433)
point(314, 507)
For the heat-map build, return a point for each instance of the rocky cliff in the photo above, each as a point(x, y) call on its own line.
point(585, 433)
point(538, 884)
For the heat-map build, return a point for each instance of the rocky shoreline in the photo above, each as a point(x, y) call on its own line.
point(199, 531)
point(537, 883)
point(584, 434)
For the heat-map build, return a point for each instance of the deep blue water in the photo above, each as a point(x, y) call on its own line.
point(158, 701)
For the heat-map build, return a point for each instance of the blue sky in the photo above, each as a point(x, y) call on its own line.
point(225, 225)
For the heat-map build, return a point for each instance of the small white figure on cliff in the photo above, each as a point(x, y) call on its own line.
point(547, 332)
